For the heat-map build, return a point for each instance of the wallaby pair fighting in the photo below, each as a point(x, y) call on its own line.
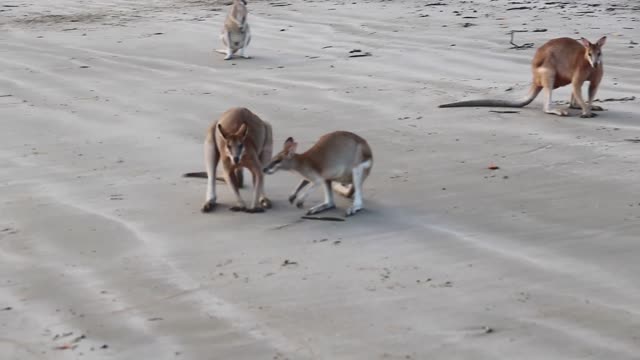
point(242, 140)
point(557, 63)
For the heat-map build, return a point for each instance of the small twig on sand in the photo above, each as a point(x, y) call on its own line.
point(279, 227)
point(516, 46)
point(505, 111)
point(323, 218)
point(360, 55)
point(200, 174)
point(628, 98)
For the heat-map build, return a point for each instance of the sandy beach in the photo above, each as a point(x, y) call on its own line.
point(104, 253)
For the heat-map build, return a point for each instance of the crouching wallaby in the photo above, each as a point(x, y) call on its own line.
point(339, 156)
point(557, 63)
point(244, 141)
point(236, 34)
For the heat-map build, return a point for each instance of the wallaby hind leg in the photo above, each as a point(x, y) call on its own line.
point(212, 157)
point(358, 180)
point(547, 78)
point(258, 189)
point(247, 39)
point(593, 89)
point(227, 42)
point(265, 158)
point(328, 203)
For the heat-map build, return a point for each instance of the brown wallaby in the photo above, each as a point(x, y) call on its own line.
point(236, 34)
point(244, 141)
point(340, 156)
point(557, 63)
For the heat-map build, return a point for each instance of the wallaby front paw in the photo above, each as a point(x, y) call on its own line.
point(588, 115)
point(299, 204)
point(265, 203)
point(228, 57)
point(292, 198)
point(238, 208)
point(208, 206)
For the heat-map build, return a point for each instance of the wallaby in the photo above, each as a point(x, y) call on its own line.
point(244, 141)
point(557, 63)
point(340, 156)
point(236, 34)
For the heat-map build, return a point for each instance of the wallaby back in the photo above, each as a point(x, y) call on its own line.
point(336, 151)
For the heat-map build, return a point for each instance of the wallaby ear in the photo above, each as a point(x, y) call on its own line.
point(288, 142)
point(291, 149)
point(290, 146)
point(243, 131)
point(585, 42)
point(221, 130)
point(602, 41)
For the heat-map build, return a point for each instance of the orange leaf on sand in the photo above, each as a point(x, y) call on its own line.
point(493, 167)
point(66, 347)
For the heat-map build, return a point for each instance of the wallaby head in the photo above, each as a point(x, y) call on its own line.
point(284, 159)
point(234, 143)
point(593, 52)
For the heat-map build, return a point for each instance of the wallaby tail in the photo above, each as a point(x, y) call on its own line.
point(199, 174)
point(236, 177)
point(533, 92)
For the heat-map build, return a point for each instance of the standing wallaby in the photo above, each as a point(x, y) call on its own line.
point(557, 63)
point(236, 34)
point(244, 141)
point(340, 156)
